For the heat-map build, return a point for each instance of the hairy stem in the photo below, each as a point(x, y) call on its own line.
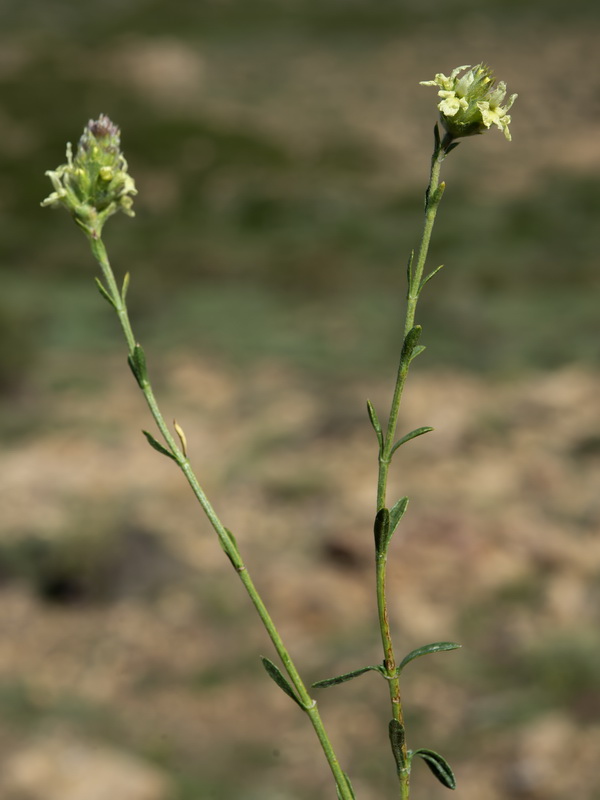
point(309, 705)
point(415, 284)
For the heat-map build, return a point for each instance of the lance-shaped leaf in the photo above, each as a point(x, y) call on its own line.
point(229, 546)
point(396, 515)
point(417, 351)
point(429, 277)
point(438, 765)
point(276, 674)
point(125, 287)
point(397, 741)
point(409, 436)
point(410, 342)
point(437, 195)
point(182, 437)
point(157, 445)
point(347, 676)
point(375, 423)
point(104, 292)
point(137, 364)
point(436, 647)
point(409, 269)
point(349, 785)
point(381, 530)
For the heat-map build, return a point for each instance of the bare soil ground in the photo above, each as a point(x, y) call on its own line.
point(129, 611)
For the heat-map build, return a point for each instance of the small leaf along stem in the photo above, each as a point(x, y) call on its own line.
point(227, 541)
point(415, 271)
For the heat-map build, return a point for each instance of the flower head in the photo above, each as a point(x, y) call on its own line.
point(95, 183)
point(472, 103)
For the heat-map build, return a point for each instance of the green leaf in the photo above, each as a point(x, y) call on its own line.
point(381, 530)
point(436, 136)
point(232, 544)
point(451, 147)
point(409, 268)
point(396, 731)
point(430, 276)
point(347, 676)
point(436, 647)
point(137, 364)
point(232, 537)
point(396, 515)
point(437, 195)
point(158, 446)
point(417, 351)
point(375, 423)
point(438, 765)
point(276, 674)
point(410, 342)
point(409, 436)
point(349, 785)
point(125, 287)
point(104, 292)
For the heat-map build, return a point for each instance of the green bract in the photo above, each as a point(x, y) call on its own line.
point(472, 103)
point(95, 183)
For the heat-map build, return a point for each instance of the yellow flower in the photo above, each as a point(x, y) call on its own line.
point(472, 103)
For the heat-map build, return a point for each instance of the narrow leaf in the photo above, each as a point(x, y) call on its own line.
point(436, 136)
point(137, 363)
point(104, 292)
point(182, 438)
point(232, 545)
point(157, 445)
point(438, 765)
point(437, 195)
point(349, 785)
point(410, 342)
point(409, 436)
point(436, 647)
point(276, 674)
point(417, 351)
point(451, 147)
point(347, 676)
point(125, 287)
point(381, 529)
point(409, 268)
point(430, 276)
point(375, 423)
point(397, 741)
point(396, 515)
point(232, 537)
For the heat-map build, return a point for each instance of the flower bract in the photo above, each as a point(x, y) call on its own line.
point(95, 183)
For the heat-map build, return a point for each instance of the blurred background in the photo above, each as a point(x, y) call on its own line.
point(281, 151)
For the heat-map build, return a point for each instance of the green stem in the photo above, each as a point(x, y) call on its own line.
point(227, 542)
point(415, 284)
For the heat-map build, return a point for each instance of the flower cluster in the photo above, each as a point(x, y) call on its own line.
point(95, 183)
point(472, 103)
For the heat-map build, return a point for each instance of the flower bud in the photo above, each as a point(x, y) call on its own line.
point(95, 183)
point(472, 103)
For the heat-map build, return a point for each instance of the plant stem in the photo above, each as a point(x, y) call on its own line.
point(415, 284)
point(228, 543)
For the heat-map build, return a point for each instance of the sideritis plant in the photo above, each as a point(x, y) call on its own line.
point(95, 183)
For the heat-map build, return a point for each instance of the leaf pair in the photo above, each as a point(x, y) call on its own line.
point(386, 523)
point(403, 758)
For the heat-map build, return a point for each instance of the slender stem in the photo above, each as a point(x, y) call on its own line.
point(415, 284)
point(309, 705)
